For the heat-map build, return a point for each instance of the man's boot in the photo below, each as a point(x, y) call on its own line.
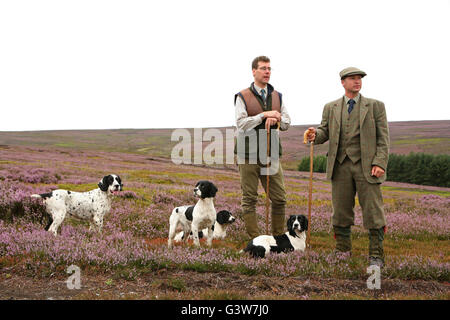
point(343, 239)
point(278, 224)
point(376, 251)
point(251, 224)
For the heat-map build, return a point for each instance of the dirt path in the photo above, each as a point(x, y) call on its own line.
point(166, 284)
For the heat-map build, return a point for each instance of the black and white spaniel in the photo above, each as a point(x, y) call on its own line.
point(91, 205)
point(224, 218)
point(293, 239)
point(195, 218)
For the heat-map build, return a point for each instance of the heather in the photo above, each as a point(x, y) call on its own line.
point(133, 240)
point(40, 252)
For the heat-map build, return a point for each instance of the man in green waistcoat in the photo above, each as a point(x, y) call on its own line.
point(358, 134)
point(259, 108)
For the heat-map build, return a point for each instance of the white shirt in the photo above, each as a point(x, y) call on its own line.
point(245, 123)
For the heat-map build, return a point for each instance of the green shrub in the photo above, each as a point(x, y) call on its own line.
point(420, 168)
point(416, 168)
point(319, 165)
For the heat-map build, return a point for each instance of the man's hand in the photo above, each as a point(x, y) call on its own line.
point(270, 122)
point(377, 171)
point(310, 134)
point(272, 114)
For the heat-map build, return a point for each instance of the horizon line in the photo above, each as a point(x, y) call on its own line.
point(173, 128)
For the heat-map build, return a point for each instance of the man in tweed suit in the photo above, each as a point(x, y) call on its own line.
point(358, 134)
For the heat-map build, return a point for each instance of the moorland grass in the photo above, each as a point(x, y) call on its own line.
point(126, 249)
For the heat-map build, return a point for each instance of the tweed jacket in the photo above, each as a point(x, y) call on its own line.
point(374, 135)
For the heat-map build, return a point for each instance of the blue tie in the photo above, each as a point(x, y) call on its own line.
point(351, 103)
point(263, 95)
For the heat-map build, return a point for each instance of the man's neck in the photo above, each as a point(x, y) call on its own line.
point(261, 85)
point(351, 94)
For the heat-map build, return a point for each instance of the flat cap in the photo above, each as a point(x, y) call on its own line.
point(351, 71)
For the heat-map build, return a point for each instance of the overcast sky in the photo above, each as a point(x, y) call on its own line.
point(177, 64)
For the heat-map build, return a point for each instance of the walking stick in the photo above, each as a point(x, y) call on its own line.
point(267, 181)
point(267, 178)
point(311, 162)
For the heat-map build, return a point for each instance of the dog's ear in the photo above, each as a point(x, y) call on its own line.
point(290, 223)
point(211, 190)
point(304, 222)
point(214, 190)
point(223, 216)
point(102, 186)
point(109, 180)
point(104, 183)
point(120, 182)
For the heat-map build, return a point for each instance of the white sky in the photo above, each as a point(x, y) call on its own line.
point(166, 64)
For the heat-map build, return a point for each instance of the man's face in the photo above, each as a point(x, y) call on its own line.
point(262, 73)
point(352, 83)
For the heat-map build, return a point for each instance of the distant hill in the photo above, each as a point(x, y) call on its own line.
point(418, 136)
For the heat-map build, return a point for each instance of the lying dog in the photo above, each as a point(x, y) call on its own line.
point(91, 205)
point(195, 218)
point(293, 239)
point(223, 219)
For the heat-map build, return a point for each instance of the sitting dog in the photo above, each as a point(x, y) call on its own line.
point(91, 205)
point(223, 219)
point(293, 239)
point(195, 218)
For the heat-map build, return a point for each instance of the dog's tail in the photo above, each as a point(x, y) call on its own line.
point(255, 251)
point(246, 249)
point(47, 215)
point(42, 195)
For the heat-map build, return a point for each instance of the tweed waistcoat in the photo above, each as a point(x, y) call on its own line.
point(349, 137)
